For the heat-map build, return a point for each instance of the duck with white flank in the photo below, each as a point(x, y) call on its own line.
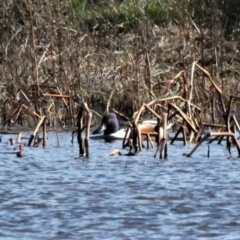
point(109, 128)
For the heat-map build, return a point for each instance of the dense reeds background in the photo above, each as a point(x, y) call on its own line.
point(122, 51)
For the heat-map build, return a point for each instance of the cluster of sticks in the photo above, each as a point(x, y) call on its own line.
point(39, 102)
point(136, 133)
point(40, 105)
point(186, 117)
point(83, 142)
point(20, 147)
point(178, 110)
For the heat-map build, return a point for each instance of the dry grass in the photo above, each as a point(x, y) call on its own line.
point(52, 49)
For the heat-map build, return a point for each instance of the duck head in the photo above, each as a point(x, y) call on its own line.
point(109, 124)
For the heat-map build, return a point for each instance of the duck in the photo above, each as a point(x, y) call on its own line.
point(117, 152)
point(109, 124)
point(109, 128)
point(20, 152)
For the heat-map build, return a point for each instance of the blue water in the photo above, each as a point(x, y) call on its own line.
point(52, 194)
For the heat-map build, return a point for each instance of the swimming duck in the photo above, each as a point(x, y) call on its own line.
point(108, 126)
point(117, 152)
point(20, 152)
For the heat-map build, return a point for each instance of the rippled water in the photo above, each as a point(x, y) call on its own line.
point(51, 194)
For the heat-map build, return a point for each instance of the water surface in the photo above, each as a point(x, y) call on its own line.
point(52, 194)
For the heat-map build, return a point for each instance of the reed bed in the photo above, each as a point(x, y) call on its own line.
point(56, 56)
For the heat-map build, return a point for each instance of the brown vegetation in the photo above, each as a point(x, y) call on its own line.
point(50, 64)
point(40, 46)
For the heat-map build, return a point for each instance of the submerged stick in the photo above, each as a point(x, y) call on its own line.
point(44, 127)
point(33, 136)
point(89, 119)
point(83, 144)
point(79, 131)
point(57, 137)
point(139, 137)
point(198, 144)
point(19, 137)
point(163, 150)
point(220, 134)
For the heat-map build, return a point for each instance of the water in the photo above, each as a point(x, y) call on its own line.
point(51, 194)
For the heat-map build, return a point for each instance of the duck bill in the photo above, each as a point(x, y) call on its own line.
point(99, 130)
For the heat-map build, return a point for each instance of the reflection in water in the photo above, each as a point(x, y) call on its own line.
point(50, 194)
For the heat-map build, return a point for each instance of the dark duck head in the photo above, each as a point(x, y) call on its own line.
point(109, 124)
